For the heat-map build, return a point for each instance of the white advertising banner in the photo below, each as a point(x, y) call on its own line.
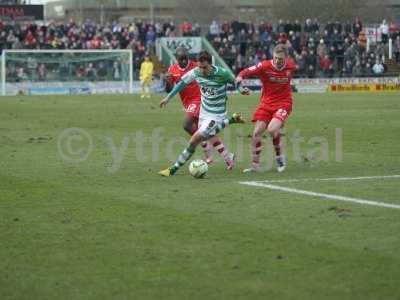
point(191, 44)
point(350, 80)
point(327, 81)
point(373, 34)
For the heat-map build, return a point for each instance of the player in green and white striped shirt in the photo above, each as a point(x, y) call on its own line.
point(213, 117)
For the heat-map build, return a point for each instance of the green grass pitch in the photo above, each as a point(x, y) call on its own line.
point(80, 222)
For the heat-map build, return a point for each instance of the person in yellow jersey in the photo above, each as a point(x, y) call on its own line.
point(146, 76)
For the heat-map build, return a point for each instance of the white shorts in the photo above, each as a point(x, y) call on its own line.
point(208, 124)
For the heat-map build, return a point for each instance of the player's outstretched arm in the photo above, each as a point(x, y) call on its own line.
point(251, 71)
point(231, 79)
point(239, 86)
point(169, 85)
point(177, 88)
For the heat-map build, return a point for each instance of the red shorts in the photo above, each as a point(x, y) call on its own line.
point(267, 113)
point(192, 109)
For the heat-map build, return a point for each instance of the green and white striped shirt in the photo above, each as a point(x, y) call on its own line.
point(212, 87)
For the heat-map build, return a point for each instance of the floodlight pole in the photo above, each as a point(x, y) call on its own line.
point(152, 12)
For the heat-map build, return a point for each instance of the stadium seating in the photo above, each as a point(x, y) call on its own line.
point(240, 44)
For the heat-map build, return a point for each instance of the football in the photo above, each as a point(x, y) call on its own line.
point(198, 168)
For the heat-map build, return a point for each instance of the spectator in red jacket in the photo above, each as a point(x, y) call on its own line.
point(326, 66)
point(186, 28)
point(393, 30)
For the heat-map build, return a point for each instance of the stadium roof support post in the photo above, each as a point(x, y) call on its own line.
point(80, 10)
point(3, 73)
point(130, 71)
point(102, 13)
point(152, 12)
point(390, 48)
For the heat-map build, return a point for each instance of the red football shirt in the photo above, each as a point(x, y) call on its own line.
point(191, 93)
point(276, 82)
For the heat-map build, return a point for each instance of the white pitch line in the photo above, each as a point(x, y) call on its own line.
point(332, 179)
point(321, 195)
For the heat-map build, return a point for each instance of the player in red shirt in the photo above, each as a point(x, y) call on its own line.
point(275, 103)
point(191, 101)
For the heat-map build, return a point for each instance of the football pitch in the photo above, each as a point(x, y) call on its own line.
point(84, 214)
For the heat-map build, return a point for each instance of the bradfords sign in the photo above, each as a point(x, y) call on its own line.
point(191, 44)
point(21, 12)
point(350, 80)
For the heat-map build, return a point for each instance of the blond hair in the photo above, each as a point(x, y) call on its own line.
point(280, 49)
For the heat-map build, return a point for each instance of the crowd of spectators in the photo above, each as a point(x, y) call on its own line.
point(12, 2)
point(332, 49)
point(140, 37)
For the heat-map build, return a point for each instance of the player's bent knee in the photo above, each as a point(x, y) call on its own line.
point(259, 129)
point(258, 132)
point(274, 127)
point(196, 139)
point(273, 131)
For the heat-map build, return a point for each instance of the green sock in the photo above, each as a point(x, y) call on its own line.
point(182, 159)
